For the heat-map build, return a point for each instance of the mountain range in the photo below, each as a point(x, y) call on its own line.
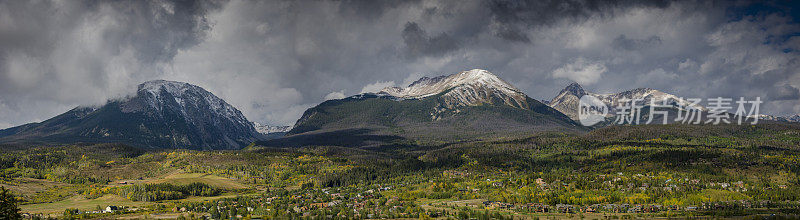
point(468, 105)
point(567, 102)
point(162, 114)
point(791, 118)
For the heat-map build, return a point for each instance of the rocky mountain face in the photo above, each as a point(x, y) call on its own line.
point(162, 114)
point(468, 88)
point(567, 100)
point(469, 104)
point(794, 118)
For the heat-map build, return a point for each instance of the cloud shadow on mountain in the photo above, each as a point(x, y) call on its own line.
point(357, 137)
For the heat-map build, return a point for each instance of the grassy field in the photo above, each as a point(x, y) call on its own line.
point(81, 203)
point(29, 186)
point(38, 190)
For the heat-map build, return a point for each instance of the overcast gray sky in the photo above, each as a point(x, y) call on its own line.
point(274, 59)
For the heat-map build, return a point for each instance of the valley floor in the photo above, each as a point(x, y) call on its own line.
point(696, 172)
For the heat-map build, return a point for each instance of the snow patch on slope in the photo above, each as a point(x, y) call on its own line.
point(268, 129)
point(788, 118)
point(567, 100)
point(161, 93)
point(431, 86)
point(468, 88)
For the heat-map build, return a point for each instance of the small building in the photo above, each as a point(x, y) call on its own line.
point(111, 209)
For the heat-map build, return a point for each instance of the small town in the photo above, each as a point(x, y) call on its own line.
point(453, 194)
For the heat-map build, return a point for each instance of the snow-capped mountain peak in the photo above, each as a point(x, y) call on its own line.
point(268, 129)
point(646, 96)
point(162, 114)
point(160, 93)
point(574, 89)
point(567, 100)
point(467, 88)
point(426, 86)
point(568, 96)
point(156, 86)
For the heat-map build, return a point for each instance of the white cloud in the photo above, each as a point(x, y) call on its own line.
point(335, 95)
point(581, 71)
point(24, 71)
point(377, 86)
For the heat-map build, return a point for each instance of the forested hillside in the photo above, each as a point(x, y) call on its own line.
point(642, 171)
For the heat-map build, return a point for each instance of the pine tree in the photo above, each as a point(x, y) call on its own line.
point(8, 205)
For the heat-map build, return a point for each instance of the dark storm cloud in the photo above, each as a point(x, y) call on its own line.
point(511, 33)
point(428, 13)
point(511, 16)
point(624, 43)
point(63, 53)
point(784, 92)
point(418, 43)
point(156, 29)
point(274, 59)
point(370, 9)
point(546, 12)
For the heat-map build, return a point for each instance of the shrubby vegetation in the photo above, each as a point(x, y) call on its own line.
point(8, 205)
point(687, 169)
point(156, 191)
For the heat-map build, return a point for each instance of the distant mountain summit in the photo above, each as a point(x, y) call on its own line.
point(573, 89)
point(465, 105)
point(162, 114)
point(567, 100)
point(789, 118)
point(468, 88)
point(270, 129)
